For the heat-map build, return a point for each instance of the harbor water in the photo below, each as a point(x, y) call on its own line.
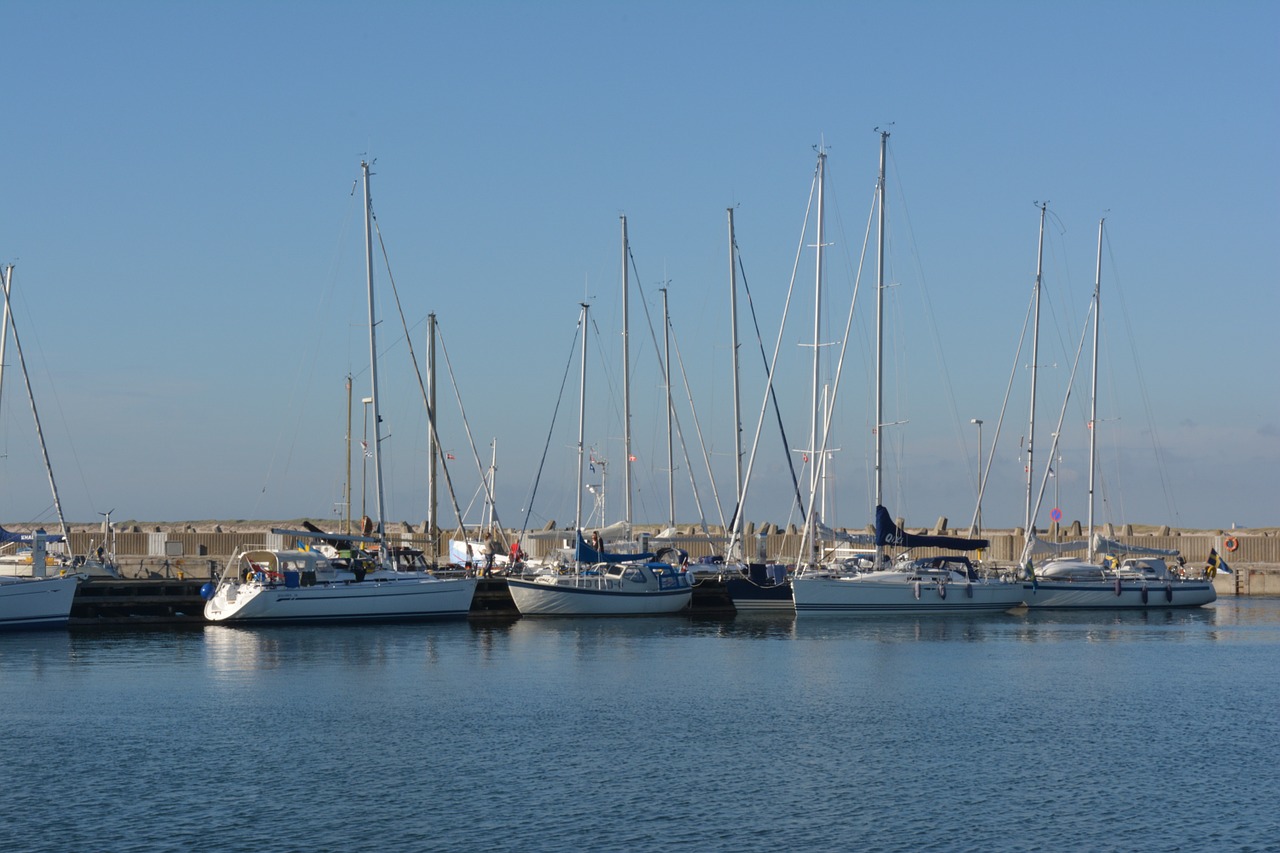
point(1041, 731)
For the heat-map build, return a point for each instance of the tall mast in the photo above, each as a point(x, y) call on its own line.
point(493, 484)
point(582, 413)
point(817, 331)
point(373, 365)
point(348, 495)
point(737, 400)
point(626, 382)
point(1093, 396)
point(671, 466)
point(879, 420)
point(1035, 354)
point(433, 447)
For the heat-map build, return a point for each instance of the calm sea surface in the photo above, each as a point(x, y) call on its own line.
point(1098, 731)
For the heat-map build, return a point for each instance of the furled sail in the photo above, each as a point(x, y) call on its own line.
point(888, 533)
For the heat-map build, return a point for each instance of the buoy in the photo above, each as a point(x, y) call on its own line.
point(968, 590)
point(917, 590)
point(1168, 593)
point(1231, 543)
point(1117, 586)
point(942, 590)
point(1144, 593)
point(206, 591)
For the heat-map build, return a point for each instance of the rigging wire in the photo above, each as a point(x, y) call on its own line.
point(675, 414)
point(537, 477)
point(431, 419)
point(301, 387)
point(771, 364)
point(1156, 445)
point(772, 392)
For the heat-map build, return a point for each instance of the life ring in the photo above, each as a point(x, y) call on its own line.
point(1231, 543)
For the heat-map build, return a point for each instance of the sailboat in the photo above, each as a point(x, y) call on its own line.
point(1142, 580)
point(933, 586)
point(599, 583)
point(363, 581)
point(31, 598)
point(37, 600)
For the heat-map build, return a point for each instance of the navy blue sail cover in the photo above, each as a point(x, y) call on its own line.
point(888, 533)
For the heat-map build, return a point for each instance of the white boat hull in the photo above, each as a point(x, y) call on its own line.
point(1102, 595)
point(593, 596)
point(31, 603)
point(368, 600)
point(869, 595)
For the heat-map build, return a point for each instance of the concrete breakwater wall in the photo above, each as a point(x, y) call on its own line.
point(191, 553)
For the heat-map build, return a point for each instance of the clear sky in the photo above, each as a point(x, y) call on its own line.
point(189, 280)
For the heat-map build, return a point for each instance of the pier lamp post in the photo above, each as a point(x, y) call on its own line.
point(978, 523)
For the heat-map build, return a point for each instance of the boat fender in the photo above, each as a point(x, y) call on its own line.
point(1168, 593)
point(942, 590)
point(1231, 543)
point(968, 590)
point(1117, 586)
point(206, 591)
point(1144, 593)
point(917, 590)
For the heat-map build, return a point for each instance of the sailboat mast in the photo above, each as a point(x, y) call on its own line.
point(879, 420)
point(671, 467)
point(737, 396)
point(373, 363)
point(1093, 395)
point(347, 497)
point(433, 446)
point(1035, 355)
point(626, 381)
point(817, 331)
point(493, 484)
point(582, 416)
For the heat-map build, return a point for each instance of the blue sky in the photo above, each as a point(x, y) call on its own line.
point(189, 281)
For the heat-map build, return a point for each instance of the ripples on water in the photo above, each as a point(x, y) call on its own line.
point(1045, 731)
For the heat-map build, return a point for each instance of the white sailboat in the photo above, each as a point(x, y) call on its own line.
point(36, 600)
point(31, 598)
point(598, 583)
point(264, 584)
point(1143, 580)
point(937, 586)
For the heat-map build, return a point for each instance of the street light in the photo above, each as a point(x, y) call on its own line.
point(978, 517)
